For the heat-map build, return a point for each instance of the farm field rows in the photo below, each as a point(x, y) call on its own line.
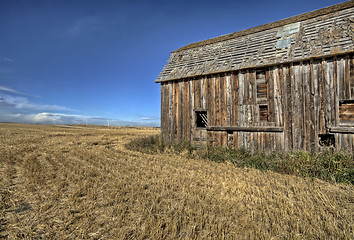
point(77, 182)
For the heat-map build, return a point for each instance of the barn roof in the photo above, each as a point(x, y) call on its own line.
point(327, 31)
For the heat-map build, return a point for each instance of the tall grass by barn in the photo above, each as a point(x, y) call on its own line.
point(328, 165)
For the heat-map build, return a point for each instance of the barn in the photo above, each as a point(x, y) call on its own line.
point(285, 85)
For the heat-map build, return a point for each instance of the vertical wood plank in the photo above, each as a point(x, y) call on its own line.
point(174, 112)
point(270, 94)
point(293, 107)
point(236, 101)
point(179, 113)
point(316, 106)
point(187, 111)
point(340, 76)
point(351, 77)
point(222, 105)
point(197, 93)
point(347, 90)
point(321, 86)
point(228, 99)
point(191, 110)
point(217, 101)
point(204, 92)
point(163, 121)
point(287, 109)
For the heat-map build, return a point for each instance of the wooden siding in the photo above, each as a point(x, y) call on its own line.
point(305, 101)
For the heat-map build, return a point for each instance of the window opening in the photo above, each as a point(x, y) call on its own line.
point(262, 94)
point(326, 140)
point(202, 119)
point(261, 85)
point(263, 112)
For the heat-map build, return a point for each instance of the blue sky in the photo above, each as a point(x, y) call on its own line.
point(95, 61)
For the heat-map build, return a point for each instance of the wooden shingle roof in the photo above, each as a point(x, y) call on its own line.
point(326, 31)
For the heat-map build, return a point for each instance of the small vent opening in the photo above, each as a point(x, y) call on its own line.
point(202, 119)
point(263, 112)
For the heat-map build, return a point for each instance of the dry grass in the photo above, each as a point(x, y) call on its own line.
point(82, 183)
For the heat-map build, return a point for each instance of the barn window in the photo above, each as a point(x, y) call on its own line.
point(262, 94)
point(346, 111)
point(201, 118)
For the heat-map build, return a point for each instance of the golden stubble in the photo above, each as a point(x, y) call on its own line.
point(80, 182)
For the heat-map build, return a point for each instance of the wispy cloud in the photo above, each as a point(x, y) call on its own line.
point(10, 90)
point(7, 59)
point(5, 63)
point(83, 26)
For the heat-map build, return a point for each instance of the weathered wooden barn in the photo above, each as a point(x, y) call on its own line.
point(285, 85)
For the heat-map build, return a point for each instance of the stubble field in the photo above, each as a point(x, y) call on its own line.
point(78, 182)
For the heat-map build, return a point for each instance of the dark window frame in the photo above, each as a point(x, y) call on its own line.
point(201, 118)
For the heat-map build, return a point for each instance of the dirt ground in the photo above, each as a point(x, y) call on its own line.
point(78, 182)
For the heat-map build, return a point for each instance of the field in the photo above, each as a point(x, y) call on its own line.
point(77, 182)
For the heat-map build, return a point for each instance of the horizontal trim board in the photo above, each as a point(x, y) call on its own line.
point(341, 130)
point(246, 129)
point(203, 139)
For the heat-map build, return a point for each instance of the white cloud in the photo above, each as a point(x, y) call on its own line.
point(62, 118)
point(23, 103)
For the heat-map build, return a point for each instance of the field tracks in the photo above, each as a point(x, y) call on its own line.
point(82, 183)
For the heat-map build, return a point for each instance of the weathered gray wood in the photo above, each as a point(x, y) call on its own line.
point(304, 102)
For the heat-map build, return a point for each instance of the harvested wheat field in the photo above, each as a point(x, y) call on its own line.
point(78, 182)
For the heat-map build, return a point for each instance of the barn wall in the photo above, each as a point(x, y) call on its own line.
point(282, 107)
